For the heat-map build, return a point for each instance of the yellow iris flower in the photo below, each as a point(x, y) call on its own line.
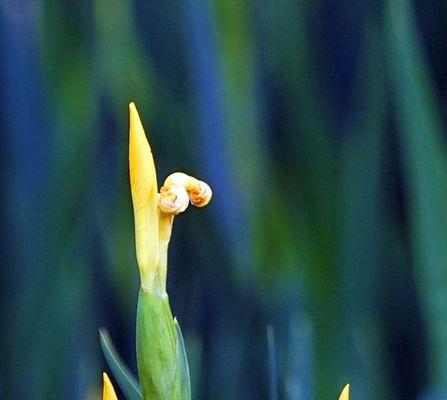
point(108, 392)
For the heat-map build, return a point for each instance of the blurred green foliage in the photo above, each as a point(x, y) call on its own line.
point(320, 127)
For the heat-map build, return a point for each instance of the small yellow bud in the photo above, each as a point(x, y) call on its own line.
point(108, 392)
point(344, 395)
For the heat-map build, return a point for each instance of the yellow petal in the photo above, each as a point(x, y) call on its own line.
point(108, 393)
point(344, 395)
point(143, 183)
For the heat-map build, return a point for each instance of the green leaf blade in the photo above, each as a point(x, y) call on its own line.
point(126, 381)
point(182, 360)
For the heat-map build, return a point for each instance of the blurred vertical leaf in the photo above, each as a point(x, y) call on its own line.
point(123, 71)
point(306, 169)
point(299, 377)
point(207, 90)
point(71, 104)
point(423, 150)
point(221, 65)
point(361, 211)
point(273, 374)
point(238, 73)
point(25, 175)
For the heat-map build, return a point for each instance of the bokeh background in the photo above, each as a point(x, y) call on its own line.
point(320, 127)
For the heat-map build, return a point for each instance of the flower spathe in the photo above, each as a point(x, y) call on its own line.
point(108, 393)
point(344, 395)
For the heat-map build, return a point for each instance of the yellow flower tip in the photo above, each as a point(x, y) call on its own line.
point(173, 200)
point(344, 395)
point(108, 392)
point(198, 191)
point(143, 183)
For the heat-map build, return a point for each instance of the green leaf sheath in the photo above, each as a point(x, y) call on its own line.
point(161, 373)
point(126, 381)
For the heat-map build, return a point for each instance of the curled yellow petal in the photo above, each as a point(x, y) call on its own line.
point(108, 393)
point(200, 194)
point(173, 200)
point(176, 193)
point(143, 183)
point(198, 191)
point(344, 395)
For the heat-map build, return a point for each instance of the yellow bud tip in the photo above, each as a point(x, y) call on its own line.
point(143, 184)
point(108, 392)
point(344, 395)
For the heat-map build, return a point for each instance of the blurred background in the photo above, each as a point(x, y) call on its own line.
point(319, 126)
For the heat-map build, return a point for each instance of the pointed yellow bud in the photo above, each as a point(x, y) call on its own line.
point(143, 183)
point(344, 395)
point(108, 393)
